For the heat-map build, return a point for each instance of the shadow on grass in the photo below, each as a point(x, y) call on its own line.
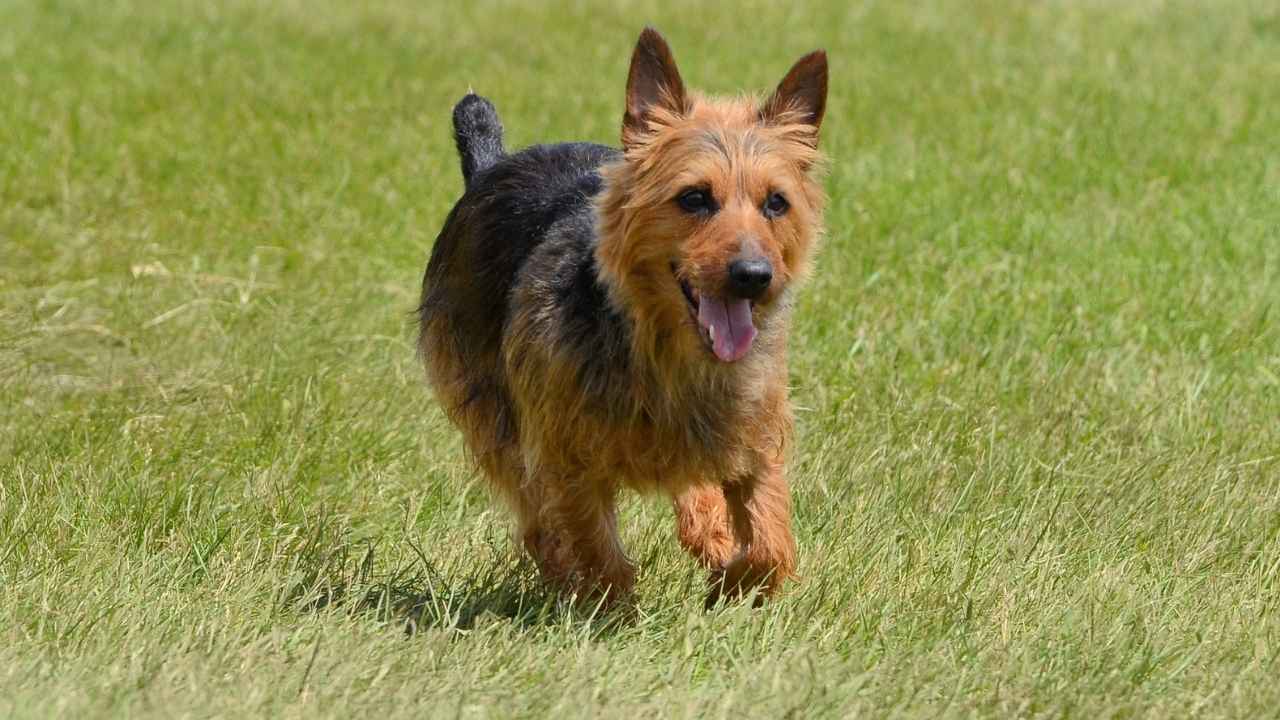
point(417, 595)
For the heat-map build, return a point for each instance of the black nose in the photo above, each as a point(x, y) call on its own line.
point(750, 278)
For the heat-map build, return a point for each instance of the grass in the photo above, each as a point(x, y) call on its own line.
point(1038, 370)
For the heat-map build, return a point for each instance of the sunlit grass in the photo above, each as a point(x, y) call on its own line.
point(1037, 372)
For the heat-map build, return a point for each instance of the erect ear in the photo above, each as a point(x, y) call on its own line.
point(653, 82)
point(803, 92)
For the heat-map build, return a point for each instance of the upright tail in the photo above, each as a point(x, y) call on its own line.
point(478, 133)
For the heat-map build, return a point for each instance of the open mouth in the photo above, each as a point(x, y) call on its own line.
point(724, 324)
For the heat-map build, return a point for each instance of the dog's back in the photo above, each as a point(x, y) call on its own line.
point(511, 206)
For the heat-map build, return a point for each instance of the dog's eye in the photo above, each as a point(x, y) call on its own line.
point(696, 200)
point(776, 205)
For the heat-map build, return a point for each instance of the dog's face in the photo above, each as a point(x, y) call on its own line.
point(720, 209)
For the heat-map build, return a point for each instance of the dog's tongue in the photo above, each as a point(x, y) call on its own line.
point(729, 324)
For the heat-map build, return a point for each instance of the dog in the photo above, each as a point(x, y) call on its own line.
point(595, 320)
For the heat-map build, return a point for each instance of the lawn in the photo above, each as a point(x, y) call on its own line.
point(1037, 371)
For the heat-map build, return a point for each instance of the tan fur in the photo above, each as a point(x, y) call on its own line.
point(711, 435)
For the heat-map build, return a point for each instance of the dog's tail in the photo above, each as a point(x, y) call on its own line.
point(478, 133)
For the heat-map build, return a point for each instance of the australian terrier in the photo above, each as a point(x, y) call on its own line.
point(595, 319)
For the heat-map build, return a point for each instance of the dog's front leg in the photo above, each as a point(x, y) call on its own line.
point(576, 543)
point(760, 514)
point(702, 526)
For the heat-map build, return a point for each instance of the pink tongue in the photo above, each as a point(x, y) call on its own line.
point(730, 324)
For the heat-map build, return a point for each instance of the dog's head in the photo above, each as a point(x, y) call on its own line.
point(715, 210)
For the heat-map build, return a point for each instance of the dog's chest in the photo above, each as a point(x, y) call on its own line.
point(673, 446)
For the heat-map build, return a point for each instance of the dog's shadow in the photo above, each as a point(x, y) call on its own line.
point(418, 596)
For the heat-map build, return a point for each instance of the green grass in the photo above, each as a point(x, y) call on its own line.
point(1037, 372)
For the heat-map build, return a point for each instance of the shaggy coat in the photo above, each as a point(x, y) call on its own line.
point(595, 319)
